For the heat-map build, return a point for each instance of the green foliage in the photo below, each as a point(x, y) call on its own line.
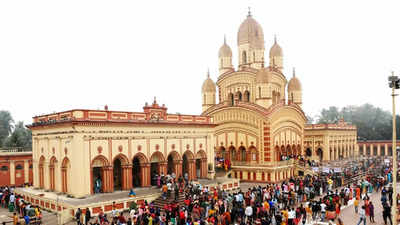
point(373, 123)
point(20, 137)
point(6, 125)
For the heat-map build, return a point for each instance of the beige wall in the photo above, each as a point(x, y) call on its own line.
point(82, 144)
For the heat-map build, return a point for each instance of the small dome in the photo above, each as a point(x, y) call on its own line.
point(264, 75)
point(208, 85)
point(251, 32)
point(275, 50)
point(294, 84)
point(225, 50)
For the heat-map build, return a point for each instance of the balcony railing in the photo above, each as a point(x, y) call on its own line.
point(270, 164)
point(16, 149)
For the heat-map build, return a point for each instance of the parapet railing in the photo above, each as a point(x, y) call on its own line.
point(16, 149)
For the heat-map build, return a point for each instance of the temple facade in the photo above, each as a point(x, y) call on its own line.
point(257, 109)
point(74, 150)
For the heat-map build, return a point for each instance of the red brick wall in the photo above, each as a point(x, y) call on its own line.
point(19, 173)
point(4, 174)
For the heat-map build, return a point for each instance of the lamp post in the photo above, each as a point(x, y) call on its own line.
point(394, 84)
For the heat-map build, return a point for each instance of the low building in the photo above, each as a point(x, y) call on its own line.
point(376, 147)
point(326, 142)
point(73, 151)
point(15, 167)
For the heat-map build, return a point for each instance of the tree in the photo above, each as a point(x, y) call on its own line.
point(20, 137)
point(6, 125)
point(330, 115)
point(310, 119)
point(372, 122)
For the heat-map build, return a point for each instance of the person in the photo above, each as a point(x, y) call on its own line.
point(363, 219)
point(87, 216)
point(387, 213)
point(27, 219)
point(97, 185)
point(132, 193)
point(78, 216)
point(15, 219)
point(356, 205)
point(371, 212)
point(323, 211)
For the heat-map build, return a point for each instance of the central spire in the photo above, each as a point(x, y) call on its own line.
point(249, 13)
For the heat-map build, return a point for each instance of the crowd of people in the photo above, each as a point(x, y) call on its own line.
point(298, 200)
point(295, 201)
point(20, 208)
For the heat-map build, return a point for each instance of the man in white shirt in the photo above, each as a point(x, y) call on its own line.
point(323, 211)
point(291, 216)
point(248, 212)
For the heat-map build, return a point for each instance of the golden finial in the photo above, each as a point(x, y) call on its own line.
point(249, 13)
point(275, 39)
point(294, 71)
point(208, 73)
point(224, 39)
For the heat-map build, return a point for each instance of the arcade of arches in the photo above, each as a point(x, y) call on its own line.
point(123, 174)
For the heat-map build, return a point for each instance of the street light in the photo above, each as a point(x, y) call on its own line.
point(394, 84)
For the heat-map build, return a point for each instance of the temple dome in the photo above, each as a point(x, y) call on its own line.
point(251, 32)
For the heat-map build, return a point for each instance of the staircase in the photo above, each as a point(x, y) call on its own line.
point(160, 202)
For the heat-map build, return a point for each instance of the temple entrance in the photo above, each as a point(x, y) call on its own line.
point(97, 179)
point(65, 174)
point(117, 174)
point(185, 166)
point(174, 164)
point(308, 152)
point(98, 167)
point(155, 166)
point(170, 166)
point(320, 154)
point(136, 172)
point(198, 168)
point(232, 155)
point(242, 152)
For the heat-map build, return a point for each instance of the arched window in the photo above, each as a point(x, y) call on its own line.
point(259, 92)
point(4, 168)
point(246, 96)
point(222, 63)
point(230, 98)
point(244, 57)
point(19, 167)
point(239, 95)
point(292, 97)
point(254, 57)
point(204, 101)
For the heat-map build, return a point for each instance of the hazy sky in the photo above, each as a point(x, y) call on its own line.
point(61, 55)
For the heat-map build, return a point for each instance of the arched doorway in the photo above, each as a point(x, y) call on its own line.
point(230, 99)
point(52, 173)
point(100, 173)
point(65, 175)
point(223, 152)
point(239, 96)
point(201, 164)
point(253, 154)
point(242, 153)
point(320, 154)
point(278, 153)
point(137, 170)
point(283, 152)
point(174, 164)
point(188, 165)
point(289, 151)
point(121, 173)
point(232, 153)
point(247, 96)
point(299, 150)
point(41, 172)
point(155, 166)
point(117, 174)
point(308, 152)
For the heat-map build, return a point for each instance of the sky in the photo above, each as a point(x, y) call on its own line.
point(77, 54)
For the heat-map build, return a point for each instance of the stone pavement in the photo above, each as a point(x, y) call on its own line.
point(349, 216)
